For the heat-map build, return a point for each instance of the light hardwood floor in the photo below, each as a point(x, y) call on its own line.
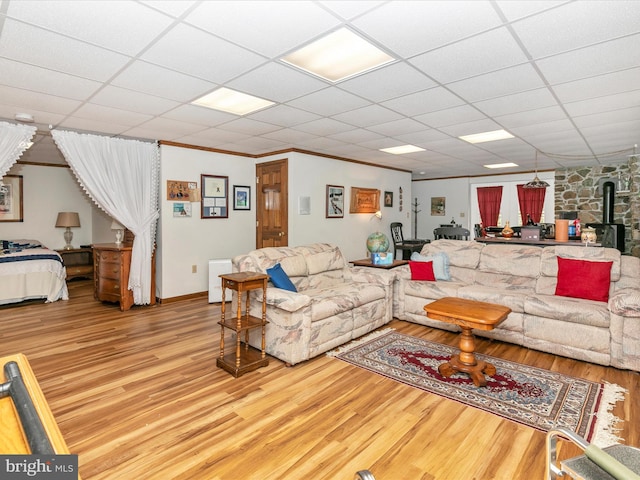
point(137, 395)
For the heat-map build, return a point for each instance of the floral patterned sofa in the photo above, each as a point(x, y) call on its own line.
point(524, 278)
point(334, 302)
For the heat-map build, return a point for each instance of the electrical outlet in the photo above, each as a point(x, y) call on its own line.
point(194, 269)
point(461, 214)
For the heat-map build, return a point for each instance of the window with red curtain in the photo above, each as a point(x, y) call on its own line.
point(489, 199)
point(531, 201)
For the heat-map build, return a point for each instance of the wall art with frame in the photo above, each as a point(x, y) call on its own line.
point(215, 196)
point(364, 200)
point(241, 197)
point(11, 207)
point(438, 206)
point(334, 202)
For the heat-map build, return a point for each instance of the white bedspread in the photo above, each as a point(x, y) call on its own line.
point(34, 278)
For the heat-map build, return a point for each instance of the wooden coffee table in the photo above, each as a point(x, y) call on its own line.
point(467, 314)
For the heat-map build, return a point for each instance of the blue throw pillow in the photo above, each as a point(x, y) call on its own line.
point(440, 263)
point(280, 279)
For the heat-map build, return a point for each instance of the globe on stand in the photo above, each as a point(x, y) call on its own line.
point(377, 242)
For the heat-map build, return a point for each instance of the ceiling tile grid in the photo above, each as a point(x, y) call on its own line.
point(562, 76)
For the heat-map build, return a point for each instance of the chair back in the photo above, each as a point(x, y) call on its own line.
point(396, 232)
point(452, 233)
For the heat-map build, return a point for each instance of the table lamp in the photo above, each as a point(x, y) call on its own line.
point(115, 225)
point(68, 220)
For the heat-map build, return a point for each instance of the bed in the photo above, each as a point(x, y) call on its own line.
point(29, 270)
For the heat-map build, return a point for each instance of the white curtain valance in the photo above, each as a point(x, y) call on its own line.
point(14, 140)
point(122, 178)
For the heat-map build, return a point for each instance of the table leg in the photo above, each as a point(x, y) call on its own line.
point(467, 362)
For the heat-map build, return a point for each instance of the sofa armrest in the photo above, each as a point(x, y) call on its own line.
point(625, 302)
point(287, 300)
point(370, 275)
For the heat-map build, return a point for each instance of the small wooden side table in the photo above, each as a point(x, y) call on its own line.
point(244, 358)
point(467, 314)
point(78, 262)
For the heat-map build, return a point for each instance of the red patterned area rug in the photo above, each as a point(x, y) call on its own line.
point(531, 396)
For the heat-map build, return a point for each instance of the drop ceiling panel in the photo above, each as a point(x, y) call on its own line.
point(42, 80)
point(329, 101)
point(126, 99)
point(604, 104)
point(410, 28)
point(480, 54)
point(29, 100)
point(123, 26)
point(576, 25)
point(39, 47)
point(496, 84)
point(398, 79)
point(283, 115)
point(451, 116)
point(162, 82)
point(324, 126)
point(531, 117)
point(367, 116)
point(618, 82)
point(194, 52)
point(277, 83)
point(248, 126)
point(518, 102)
point(426, 101)
point(262, 26)
point(199, 115)
point(590, 61)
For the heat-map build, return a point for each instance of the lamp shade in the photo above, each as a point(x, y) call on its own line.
point(68, 219)
point(115, 225)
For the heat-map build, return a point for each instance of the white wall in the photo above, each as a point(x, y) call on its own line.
point(187, 241)
point(309, 176)
point(458, 193)
point(48, 190)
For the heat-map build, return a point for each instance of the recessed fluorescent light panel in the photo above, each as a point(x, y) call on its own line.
point(402, 149)
point(486, 136)
point(230, 101)
point(501, 165)
point(337, 56)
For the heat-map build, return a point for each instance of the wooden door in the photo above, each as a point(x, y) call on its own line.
point(272, 204)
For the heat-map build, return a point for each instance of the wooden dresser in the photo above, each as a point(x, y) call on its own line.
point(111, 265)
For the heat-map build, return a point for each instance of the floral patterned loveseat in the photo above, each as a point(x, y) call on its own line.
point(334, 304)
point(524, 278)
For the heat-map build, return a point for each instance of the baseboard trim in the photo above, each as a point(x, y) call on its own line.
point(183, 297)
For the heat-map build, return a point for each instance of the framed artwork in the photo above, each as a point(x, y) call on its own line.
point(388, 199)
point(438, 206)
point(334, 202)
point(241, 197)
point(181, 209)
point(11, 209)
point(181, 191)
point(364, 200)
point(215, 196)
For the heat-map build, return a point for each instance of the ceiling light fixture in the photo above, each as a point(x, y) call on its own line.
point(486, 136)
point(501, 165)
point(24, 117)
point(536, 182)
point(402, 149)
point(232, 101)
point(337, 56)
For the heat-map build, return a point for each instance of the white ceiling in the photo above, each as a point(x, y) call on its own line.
point(563, 77)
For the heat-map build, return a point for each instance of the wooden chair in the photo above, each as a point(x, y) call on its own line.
point(452, 233)
point(406, 247)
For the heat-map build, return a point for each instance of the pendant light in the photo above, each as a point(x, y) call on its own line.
point(536, 182)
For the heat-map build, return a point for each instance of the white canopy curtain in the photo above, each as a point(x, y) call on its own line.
point(122, 178)
point(14, 140)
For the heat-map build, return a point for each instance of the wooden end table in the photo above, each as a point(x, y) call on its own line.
point(467, 314)
point(366, 262)
point(243, 360)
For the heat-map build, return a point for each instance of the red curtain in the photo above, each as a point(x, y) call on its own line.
point(489, 199)
point(531, 202)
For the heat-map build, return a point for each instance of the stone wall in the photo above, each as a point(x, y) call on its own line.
point(576, 190)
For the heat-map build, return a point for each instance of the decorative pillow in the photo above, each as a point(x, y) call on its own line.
point(440, 263)
point(422, 271)
point(280, 279)
point(583, 279)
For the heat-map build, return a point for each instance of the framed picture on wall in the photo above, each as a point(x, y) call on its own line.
point(11, 209)
point(438, 206)
point(364, 200)
point(241, 197)
point(334, 202)
point(215, 196)
point(388, 199)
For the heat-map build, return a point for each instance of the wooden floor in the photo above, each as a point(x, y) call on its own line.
point(137, 395)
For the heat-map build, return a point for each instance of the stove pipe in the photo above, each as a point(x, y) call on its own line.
point(608, 201)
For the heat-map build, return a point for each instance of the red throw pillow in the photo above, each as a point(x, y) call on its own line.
point(422, 271)
point(583, 279)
